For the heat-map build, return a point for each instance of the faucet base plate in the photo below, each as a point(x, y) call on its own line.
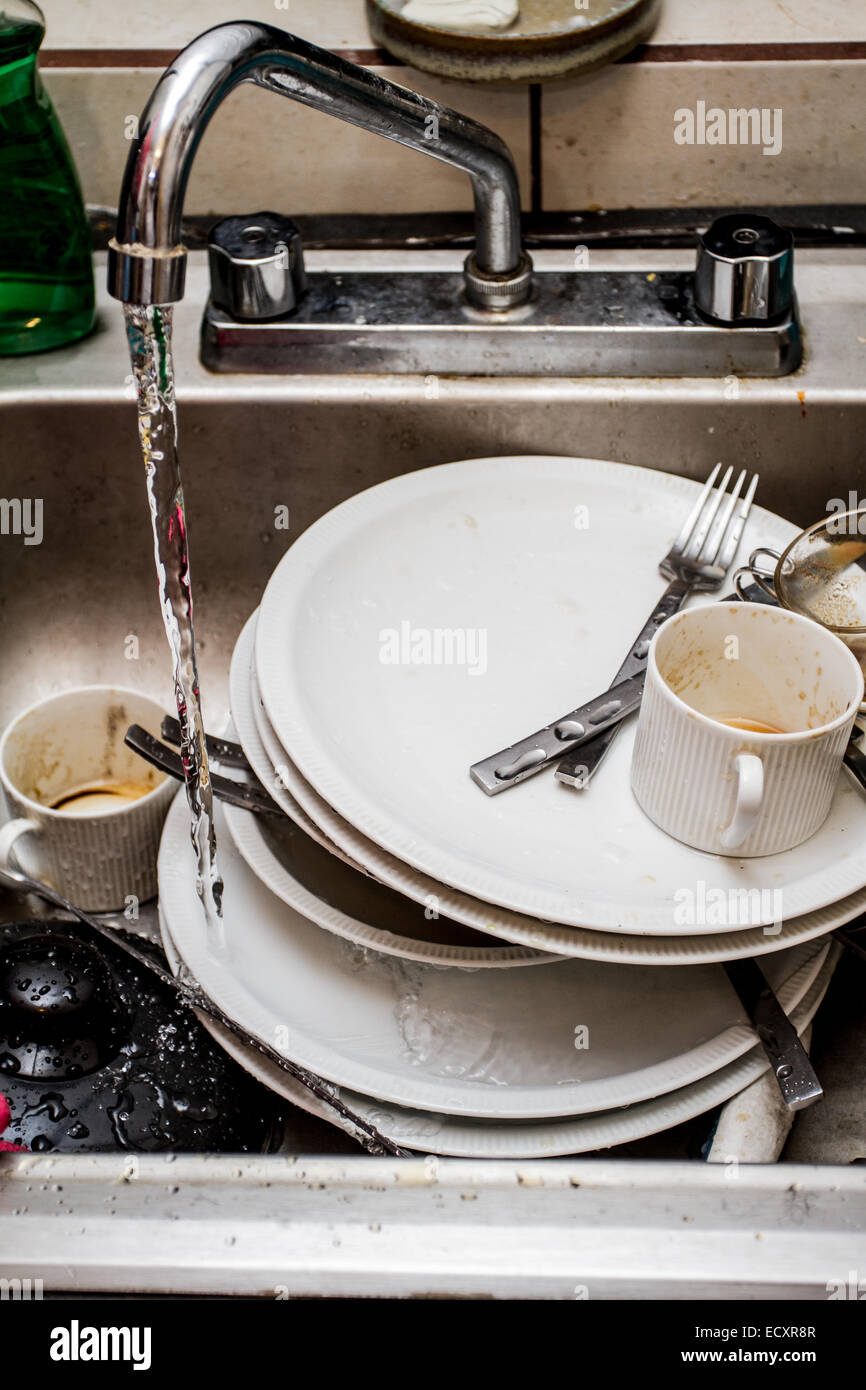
point(576, 324)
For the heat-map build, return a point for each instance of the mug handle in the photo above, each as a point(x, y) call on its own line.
point(750, 794)
point(9, 833)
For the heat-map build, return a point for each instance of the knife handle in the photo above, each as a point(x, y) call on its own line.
point(523, 759)
point(577, 767)
point(789, 1060)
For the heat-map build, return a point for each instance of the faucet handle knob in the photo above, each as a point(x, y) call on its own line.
point(745, 270)
point(256, 265)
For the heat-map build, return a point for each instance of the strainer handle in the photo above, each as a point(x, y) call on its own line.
point(763, 578)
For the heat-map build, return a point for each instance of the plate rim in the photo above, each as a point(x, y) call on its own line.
point(281, 691)
point(237, 998)
point(258, 856)
point(510, 954)
point(542, 1139)
point(583, 943)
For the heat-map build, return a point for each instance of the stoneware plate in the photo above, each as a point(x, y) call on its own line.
point(626, 949)
point(439, 616)
point(272, 775)
point(358, 908)
point(460, 1137)
point(560, 1039)
point(295, 860)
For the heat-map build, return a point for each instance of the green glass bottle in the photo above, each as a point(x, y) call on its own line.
point(46, 268)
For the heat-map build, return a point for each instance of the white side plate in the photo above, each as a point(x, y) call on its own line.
point(419, 930)
point(354, 906)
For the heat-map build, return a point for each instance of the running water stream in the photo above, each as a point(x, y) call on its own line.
point(149, 332)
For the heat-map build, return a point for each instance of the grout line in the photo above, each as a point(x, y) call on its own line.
point(162, 57)
point(838, 50)
point(807, 52)
point(535, 156)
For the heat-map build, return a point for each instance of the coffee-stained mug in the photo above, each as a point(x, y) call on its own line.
point(744, 721)
point(86, 812)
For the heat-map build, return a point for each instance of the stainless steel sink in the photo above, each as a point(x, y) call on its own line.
point(249, 446)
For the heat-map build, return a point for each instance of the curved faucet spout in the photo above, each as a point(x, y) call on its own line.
point(146, 257)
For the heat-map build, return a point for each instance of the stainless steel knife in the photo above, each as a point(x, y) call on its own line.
point(523, 759)
point(789, 1059)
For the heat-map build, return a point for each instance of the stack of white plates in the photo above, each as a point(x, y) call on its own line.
point(382, 934)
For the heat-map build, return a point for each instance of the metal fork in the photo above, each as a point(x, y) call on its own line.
point(698, 560)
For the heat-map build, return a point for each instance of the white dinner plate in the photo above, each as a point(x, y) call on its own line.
point(357, 907)
point(272, 775)
point(432, 619)
point(560, 1039)
point(467, 1138)
point(265, 752)
point(346, 900)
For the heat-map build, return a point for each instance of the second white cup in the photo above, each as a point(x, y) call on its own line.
point(744, 721)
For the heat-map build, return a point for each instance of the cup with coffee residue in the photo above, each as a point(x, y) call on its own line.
point(745, 718)
point(86, 814)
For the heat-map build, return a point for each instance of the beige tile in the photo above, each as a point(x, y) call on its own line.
point(608, 141)
point(266, 147)
point(167, 24)
point(96, 108)
point(260, 151)
point(342, 23)
point(761, 21)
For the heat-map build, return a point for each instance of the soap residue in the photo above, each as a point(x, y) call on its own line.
point(465, 15)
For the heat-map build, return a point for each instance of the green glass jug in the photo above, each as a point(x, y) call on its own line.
point(46, 269)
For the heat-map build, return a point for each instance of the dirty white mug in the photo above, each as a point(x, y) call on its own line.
point(744, 721)
point(86, 813)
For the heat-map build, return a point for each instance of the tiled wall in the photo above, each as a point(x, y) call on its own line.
point(605, 140)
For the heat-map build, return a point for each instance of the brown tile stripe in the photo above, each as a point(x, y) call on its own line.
point(853, 50)
point(161, 57)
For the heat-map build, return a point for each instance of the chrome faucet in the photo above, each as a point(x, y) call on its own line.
point(147, 260)
point(736, 316)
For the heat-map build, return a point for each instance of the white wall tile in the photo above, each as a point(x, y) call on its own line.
point(261, 152)
point(760, 21)
point(167, 24)
point(608, 141)
point(607, 138)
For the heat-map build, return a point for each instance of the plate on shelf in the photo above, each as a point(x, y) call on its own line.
point(537, 40)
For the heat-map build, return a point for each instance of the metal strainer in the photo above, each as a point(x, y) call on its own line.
point(822, 575)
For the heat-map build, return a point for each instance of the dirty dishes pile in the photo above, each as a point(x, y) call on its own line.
point(530, 974)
